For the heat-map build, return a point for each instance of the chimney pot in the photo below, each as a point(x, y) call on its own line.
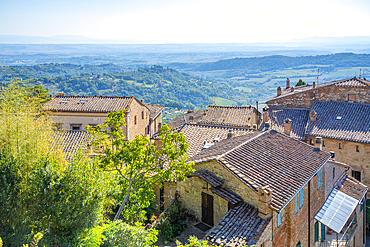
point(313, 115)
point(314, 84)
point(264, 202)
point(319, 142)
point(287, 83)
point(230, 134)
point(61, 94)
point(142, 101)
point(279, 91)
point(287, 126)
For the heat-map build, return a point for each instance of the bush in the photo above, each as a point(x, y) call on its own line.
point(170, 225)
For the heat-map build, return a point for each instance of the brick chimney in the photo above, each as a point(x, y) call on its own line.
point(142, 101)
point(313, 116)
point(279, 91)
point(287, 126)
point(191, 119)
point(230, 134)
point(61, 94)
point(265, 116)
point(287, 83)
point(264, 202)
point(313, 84)
point(318, 142)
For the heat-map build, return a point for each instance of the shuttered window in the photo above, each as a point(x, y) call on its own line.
point(296, 204)
point(316, 231)
point(279, 219)
point(301, 198)
point(319, 179)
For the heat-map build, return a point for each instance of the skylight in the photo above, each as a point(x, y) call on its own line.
point(339, 117)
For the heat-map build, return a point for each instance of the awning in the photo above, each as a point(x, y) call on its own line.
point(336, 210)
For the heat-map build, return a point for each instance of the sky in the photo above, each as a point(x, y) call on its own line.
point(186, 21)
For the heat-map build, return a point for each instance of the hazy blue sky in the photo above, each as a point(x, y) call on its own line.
point(180, 21)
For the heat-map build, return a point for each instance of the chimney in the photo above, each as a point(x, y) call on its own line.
point(313, 115)
point(61, 94)
point(265, 116)
point(142, 101)
point(257, 105)
point(332, 155)
point(318, 142)
point(267, 125)
point(230, 134)
point(191, 119)
point(287, 83)
point(279, 91)
point(51, 96)
point(264, 202)
point(287, 126)
point(314, 84)
point(254, 127)
point(292, 89)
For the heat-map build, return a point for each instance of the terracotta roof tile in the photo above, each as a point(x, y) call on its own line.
point(298, 116)
point(227, 195)
point(231, 116)
point(154, 110)
point(268, 158)
point(352, 187)
point(209, 178)
point(70, 142)
point(196, 135)
point(341, 120)
point(89, 103)
point(352, 82)
point(182, 119)
point(241, 226)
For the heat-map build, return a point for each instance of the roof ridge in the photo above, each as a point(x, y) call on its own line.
point(92, 96)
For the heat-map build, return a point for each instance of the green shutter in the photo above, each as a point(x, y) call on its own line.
point(301, 198)
point(279, 219)
point(316, 231)
point(319, 179)
point(296, 204)
point(322, 232)
point(333, 172)
point(363, 203)
point(299, 244)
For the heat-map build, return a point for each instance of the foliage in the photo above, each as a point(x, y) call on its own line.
point(120, 234)
point(140, 163)
point(193, 242)
point(300, 83)
point(36, 239)
point(41, 192)
point(169, 224)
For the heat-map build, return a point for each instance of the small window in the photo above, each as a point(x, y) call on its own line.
point(135, 120)
point(316, 231)
point(159, 126)
point(142, 115)
point(333, 172)
point(319, 179)
point(340, 145)
point(76, 127)
point(356, 175)
point(311, 141)
point(357, 149)
point(279, 219)
point(323, 143)
point(298, 244)
point(301, 198)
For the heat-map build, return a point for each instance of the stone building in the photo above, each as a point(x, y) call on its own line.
point(336, 111)
point(188, 117)
point(76, 112)
point(262, 189)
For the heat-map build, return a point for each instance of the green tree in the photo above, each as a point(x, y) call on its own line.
point(300, 83)
point(140, 163)
point(193, 242)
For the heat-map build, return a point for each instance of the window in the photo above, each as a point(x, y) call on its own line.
point(296, 204)
point(356, 175)
point(357, 149)
point(323, 143)
point(340, 145)
point(135, 120)
point(333, 172)
point(159, 126)
point(298, 244)
point(279, 219)
point(316, 231)
point(363, 203)
point(142, 115)
point(301, 198)
point(319, 179)
point(311, 141)
point(76, 127)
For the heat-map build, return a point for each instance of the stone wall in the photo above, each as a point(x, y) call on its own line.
point(169, 191)
point(141, 113)
point(328, 93)
point(333, 170)
point(358, 161)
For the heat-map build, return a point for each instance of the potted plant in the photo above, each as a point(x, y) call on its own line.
point(329, 231)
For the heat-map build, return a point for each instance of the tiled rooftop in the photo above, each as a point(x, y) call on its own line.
point(227, 195)
point(196, 135)
point(341, 120)
point(102, 104)
point(70, 142)
point(182, 119)
point(268, 158)
point(352, 187)
point(352, 82)
point(231, 116)
point(209, 178)
point(241, 226)
point(154, 110)
point(298, 116)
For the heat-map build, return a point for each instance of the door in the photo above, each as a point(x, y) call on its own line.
point(207, 209)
